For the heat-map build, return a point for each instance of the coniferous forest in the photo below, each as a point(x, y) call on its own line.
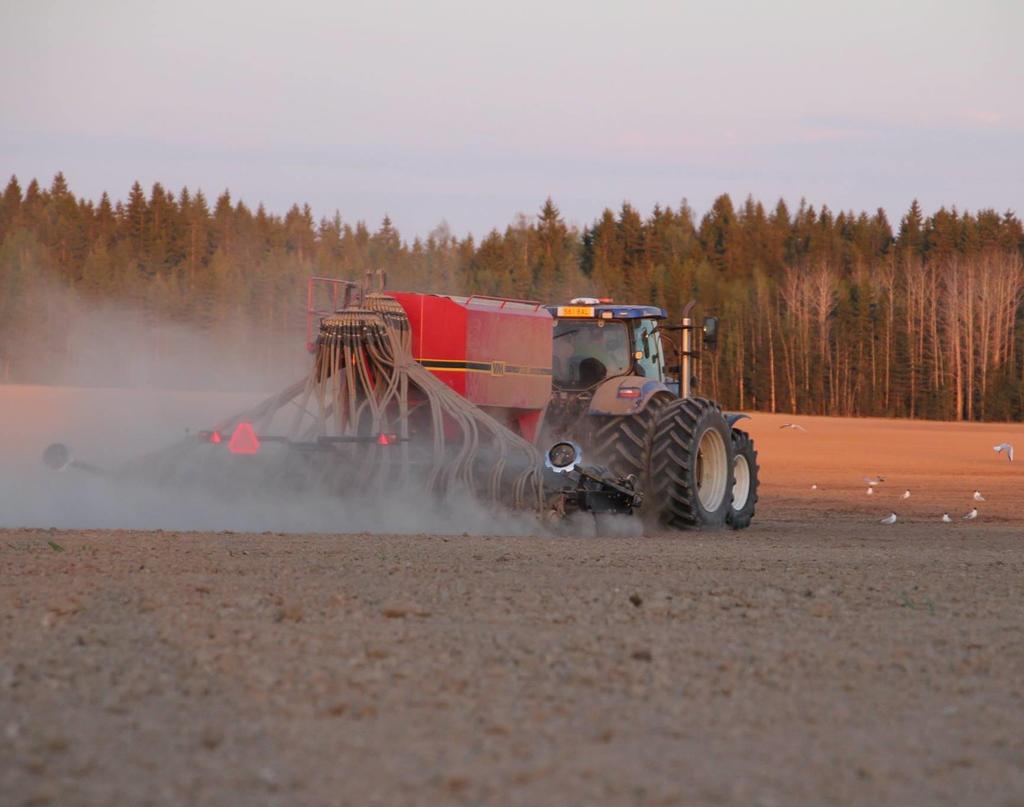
point(822, 312)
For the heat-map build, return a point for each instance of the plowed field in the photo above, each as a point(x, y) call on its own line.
point(819, 657)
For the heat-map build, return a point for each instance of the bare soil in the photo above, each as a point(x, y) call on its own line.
point(817, 658)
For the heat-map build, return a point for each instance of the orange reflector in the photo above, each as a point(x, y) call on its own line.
point(383, 440)
point(244, 440)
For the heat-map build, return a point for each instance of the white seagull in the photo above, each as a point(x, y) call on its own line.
point(814, 487)
point(978, 497)
point(889, 519)
point(946, 519)
point(906, 494)
point(971, 515)
point(871, 491)
point(1007, 447)
point(792, 426)
point(874, 480)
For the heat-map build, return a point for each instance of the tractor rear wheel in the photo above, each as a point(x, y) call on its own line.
point(621, 443)
point(744, 488)
point(691, 465)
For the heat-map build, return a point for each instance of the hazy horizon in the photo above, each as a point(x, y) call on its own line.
point(473, 115)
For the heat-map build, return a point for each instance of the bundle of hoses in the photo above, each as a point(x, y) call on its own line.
point(361, 379)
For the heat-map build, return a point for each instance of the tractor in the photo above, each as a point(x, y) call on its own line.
point(622, 386)
point(462, 394)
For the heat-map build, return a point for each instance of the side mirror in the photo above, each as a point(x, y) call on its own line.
point(711, 332)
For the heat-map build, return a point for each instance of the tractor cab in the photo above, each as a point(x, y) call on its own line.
point(607, 359)
point(595, 340)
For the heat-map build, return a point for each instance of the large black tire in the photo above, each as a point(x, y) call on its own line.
point(745, 481)
point(691, 466)
point(622, 443)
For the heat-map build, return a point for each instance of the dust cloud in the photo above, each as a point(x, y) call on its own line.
point(121, 385)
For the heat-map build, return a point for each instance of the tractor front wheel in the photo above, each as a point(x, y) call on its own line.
point(691, 466)
point(744, 488)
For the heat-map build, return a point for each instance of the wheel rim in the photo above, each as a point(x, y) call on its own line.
point(712, 470)
point(741, 483)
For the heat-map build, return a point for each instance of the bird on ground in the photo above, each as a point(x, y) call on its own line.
point(906, 494)
point(889, 519)
point(814, 487)
point(792, 426)
point(1007, 447)
point(871, 491)
point(874, 480)
point(973, 514)
point(946, 519)
point(978, 497)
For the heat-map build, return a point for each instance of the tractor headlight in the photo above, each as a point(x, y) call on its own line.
point(563, 457)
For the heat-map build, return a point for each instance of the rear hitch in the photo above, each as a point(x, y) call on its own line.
point(593, 489)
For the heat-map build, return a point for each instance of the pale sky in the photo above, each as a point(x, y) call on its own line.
point(476, 111)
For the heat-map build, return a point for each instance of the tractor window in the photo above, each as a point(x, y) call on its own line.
point(650, 361)
point(588, 351)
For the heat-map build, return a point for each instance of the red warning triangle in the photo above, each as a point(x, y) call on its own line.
point(244, 440)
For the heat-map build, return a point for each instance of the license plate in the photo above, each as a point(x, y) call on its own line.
point(575, 310)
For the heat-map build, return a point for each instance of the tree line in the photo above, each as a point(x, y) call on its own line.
point(823, 312)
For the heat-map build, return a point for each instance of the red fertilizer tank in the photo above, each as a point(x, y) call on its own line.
point(494, 352)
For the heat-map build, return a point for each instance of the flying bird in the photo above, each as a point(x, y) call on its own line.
point(906, 494)
point(946, 519)
point(1004, 447)
point(971, 515)
point(874, 480)
point(889, 519)
point(792, 426)
point(978, 497)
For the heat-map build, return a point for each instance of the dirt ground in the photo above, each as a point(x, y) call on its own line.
point(817, 658)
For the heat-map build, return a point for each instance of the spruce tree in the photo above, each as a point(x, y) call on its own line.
point(911, 235)
point(135, 223)
point(10, 207)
